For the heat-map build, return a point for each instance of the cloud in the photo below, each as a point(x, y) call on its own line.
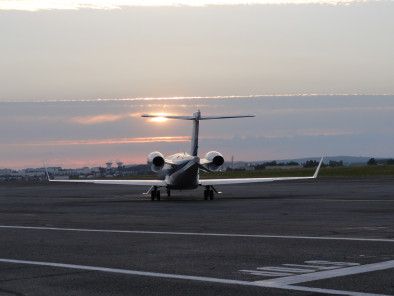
point(116, 141)
point(145, 101)
point(329, 109)
point(98, 118)
point(319, 132)
point(106, 141)
point(117, 4)
point(285, 127)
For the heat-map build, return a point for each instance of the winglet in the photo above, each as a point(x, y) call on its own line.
point(46, 171)
point(318, 168)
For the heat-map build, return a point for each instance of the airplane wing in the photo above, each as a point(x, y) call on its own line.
point(158, 183)
point(212, 182)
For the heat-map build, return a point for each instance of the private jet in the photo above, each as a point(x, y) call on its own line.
point(181, 171)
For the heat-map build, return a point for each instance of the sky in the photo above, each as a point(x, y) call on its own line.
point(76, 75)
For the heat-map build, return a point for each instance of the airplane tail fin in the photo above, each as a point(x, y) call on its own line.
point(196, 120)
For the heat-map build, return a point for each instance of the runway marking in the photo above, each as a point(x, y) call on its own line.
point(366, 228)
point(131, 272)
point(326, 274)
point(201, 234)
point(265, 284)
point(319, 265)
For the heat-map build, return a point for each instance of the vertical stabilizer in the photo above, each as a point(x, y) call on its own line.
point(196, 126)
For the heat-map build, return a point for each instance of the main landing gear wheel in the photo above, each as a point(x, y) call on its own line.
point(155, 194)
point(208, 193)
point(168, 192)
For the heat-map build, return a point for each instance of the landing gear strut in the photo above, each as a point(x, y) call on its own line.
point(208, 193)
point(155, 194)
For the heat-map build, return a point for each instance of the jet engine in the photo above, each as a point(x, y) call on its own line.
point(156, 160)
point(213, 160)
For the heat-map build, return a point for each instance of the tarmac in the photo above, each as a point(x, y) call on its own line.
point(329, 236)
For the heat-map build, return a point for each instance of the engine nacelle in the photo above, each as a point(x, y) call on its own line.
point(156, 160)
point(213, 160)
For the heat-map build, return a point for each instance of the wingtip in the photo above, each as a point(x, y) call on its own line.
point(46, 171)
point(318, 168)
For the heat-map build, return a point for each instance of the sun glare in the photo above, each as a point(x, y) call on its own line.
point(159, 119)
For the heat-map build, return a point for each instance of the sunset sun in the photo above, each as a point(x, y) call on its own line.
point(160, 118)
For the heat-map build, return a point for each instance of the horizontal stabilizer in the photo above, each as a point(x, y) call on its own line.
point(196, 117)
point(224, 117)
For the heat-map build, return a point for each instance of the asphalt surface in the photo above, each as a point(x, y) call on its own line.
point(313, 237)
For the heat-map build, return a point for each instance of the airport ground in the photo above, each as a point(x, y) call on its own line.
point(314, 237)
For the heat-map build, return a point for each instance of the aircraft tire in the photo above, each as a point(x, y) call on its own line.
point(211, 194)
point(206, 193)
point(158, 195)
point(152, 195)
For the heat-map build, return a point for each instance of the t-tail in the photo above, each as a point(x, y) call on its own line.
point(196, 123)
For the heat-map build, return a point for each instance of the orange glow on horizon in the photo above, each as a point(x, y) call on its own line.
point(114, 141)
point(108, 141)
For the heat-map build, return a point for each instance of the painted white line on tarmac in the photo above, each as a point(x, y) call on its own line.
point(324, 291)
point(201, 234)
point(131, 272)
point(187, 277)
point(321, 275)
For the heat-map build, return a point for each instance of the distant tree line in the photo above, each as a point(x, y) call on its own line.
point(230, 169)
point(311, 164)
point(307, 164)
point(373, 161)
point(334, 163)
point(274, 163)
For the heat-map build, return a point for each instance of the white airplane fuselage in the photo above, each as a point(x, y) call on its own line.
point(183, 173)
